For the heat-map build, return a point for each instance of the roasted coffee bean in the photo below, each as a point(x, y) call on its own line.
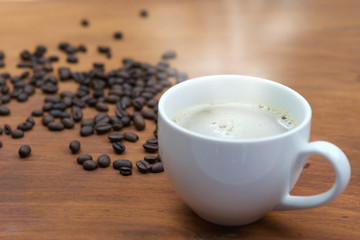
point(82, 48)
point(151, 103)
point(126, 121)
point(22, 97)
point(139, 123)
point(7, 129)
point(4, 111)
point(157, 167)
point(138, 103)
point(47, 106)
point(1, 130)
point(25, 126)
point(37, 113)
point(115, 137)
point(130, 137)
point(87, 122)
point(74, 146)
point(55, 126)
point(118, 147)
point(148, 114)
point(151, 148)
point(118, 35)
point(24, 151)
point(86, 131)
point(5, 98)
point(49, 88)
point(101, 107)
point(64, 73)
point(76, 113)
point(152, 141)
point(102, 128)
point(125, 171)
point(151, 159)
point(64, 115)
point(82, 158)
point(117, 126)
point(84, 22)
point(103, 49)
point(103, 161)
point(1, 144)
point(169, 55)
point(47, 119)
point(68, 123)
point(125, 102)
point(30, 120)
point(143, 166)
point(117, 164)
point(72, 59)
point(56, 113)
point(17, 133)
point(144, 13)
point(59, 106)
point(90, 165)
point(101, 117)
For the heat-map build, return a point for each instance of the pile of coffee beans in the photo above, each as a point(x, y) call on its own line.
point(131, 88)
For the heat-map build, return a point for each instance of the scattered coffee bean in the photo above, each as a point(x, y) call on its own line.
point(125, 171)
point(101, 107)
point(24, 151)
point(68, 123)
point(139, 123)
point(115, 137)
point(152, 141)
point(30, 120)
point(84, 22)
point(87, 122)
point(90, 165)
point(151, 159)
point(72, 59)
point(102, 128)
point(4, 111)
point(74, 146)
point(55, 126)
point(37, 113)
point(1, 144)
point(151, 148)
point(103, 161)
point(76, 113)
point(143, 166)
point(118, 35)
point(157, 167)
point(130, 137)
point(143, 13)
point(7, 129)
point(25, 126)
point(118, 147)
point(82, 158)
point(86, 131)
point(47, 119)
point(117, 164)
point(17, 133)
point(1, 130)
point(148, 114)
point(169, 55)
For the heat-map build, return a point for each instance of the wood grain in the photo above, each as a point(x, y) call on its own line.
point(310, 46)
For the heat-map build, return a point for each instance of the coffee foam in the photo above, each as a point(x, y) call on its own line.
point(235, 120)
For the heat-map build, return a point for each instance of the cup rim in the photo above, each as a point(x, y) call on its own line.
point(167, 93)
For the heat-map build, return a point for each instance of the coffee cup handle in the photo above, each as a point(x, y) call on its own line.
point(341, 166)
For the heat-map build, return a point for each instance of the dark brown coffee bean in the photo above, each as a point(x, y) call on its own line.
point(102, 128)
point(101, 107)
point(117, 126)
point(17, 133)
point(1, 131)
point(118, 35)
point(59, 106)
point(130, 137)
point(139, 123)
point(151, 159)
point(151, 103)
point(103, 49)
point(86, 131)
point(117, 164)
point(37, 113)
point(7, 129)
point(90, 165)
point(47, 119)
point(4, 111)
point(56, 113)
point(118, 147)
point(101, 117)
point(157, 167)
point(68, 123)
point(47, 106)
point(87, 122)
point(138, 103)
point(84, 22)
point(103, 161)
point(115, 137)
point(143, 166)
point(126, 121)
point(5, 98)
point(55, 126)
point(144, 13)
point(72, 59)
point(125, 171)
point(151, 148)
point(82, 158)
point(76, 113)
point(25, 126)
point(148, 114)
point(64, 73)
point(22, 97)
point(24, 151)
point(30, 120)
point(74, 146)
point(152, 141)
point(1, 144)
point(125, 102)
point(49, 88)
point(169, 55)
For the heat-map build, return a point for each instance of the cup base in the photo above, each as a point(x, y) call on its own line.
point(228, 221)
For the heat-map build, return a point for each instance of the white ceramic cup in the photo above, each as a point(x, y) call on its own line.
point(236, 182)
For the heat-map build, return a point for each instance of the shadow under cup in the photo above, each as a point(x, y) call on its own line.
point(226, 181)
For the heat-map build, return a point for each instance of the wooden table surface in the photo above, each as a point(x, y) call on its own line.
point(310, 46)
